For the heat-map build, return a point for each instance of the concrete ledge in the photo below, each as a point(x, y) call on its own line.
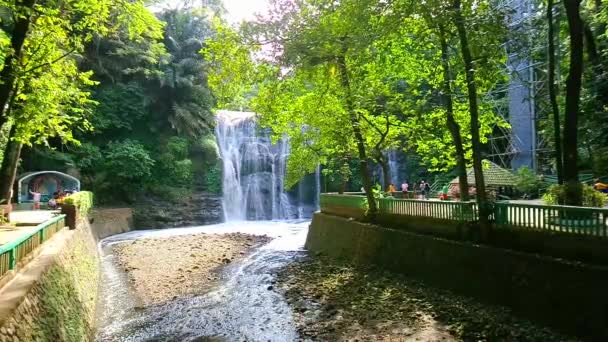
point(570, 296)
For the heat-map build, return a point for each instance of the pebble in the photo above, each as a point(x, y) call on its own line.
point(178, 276)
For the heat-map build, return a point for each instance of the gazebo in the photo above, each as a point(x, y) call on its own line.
point(495, 177)
point(46, 183)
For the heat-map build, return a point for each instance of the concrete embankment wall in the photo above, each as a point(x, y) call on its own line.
point(570, 296)
point(53, 297)
point(111, 221)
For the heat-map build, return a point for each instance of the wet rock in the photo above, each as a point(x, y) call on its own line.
point(198, 209)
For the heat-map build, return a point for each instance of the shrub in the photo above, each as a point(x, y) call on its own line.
point(208, 146)
point(128, 160)
point(82, 200)
point(178, 147)
point(591, 198)
point(213, 179)
point(527, 182)
point(174, 166)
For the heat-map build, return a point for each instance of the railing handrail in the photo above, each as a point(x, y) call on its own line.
point(551, 206)
point(427, 201)
point(12, 244)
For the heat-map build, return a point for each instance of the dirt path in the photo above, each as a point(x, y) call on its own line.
point(338, 302)
point(163, 269)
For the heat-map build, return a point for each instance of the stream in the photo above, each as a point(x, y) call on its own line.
point(244, 307)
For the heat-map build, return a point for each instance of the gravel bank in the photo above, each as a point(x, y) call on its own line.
point(163, 269)
point(339, 302)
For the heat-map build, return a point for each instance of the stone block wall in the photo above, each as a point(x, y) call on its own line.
point(110, 221)
point(570, 296)
point(55, 297)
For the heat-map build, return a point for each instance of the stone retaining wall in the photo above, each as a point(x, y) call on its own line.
point(569, 296)
point(54, 297)
point(110, 221)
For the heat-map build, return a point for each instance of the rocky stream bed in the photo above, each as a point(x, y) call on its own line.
point(252, 281)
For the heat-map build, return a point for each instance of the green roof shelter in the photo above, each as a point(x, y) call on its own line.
point(494, 176)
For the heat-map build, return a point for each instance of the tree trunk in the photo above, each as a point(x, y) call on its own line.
point(7, 74)
point(480, 185)
point(365, 176)
point(553, 94)
point(453, 126)
point(573, 191)
point(8, 170)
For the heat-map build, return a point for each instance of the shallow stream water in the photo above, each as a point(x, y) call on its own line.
point(244, 307)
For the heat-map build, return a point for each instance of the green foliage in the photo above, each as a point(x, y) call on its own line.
point(527, 181)
point(183, 80)
point(208, 145)
point(352, 65)
point(173, 164)
point(128, 161)
point(121, 105)
point(151, 106)
point(178, 147)
point(591, 198)
point(82, 200)
point(88, 157)
point(213, 179)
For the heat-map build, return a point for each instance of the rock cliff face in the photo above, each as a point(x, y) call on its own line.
point(196, 209)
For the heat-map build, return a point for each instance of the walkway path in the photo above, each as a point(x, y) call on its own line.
point(22, 223)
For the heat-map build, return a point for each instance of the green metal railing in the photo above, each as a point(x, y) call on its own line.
point(578, 220)
point(566, 219)
point(13, 252)
point(454, 211)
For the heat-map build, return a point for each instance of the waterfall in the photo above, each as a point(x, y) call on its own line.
point(254, 173)
point(393, 165)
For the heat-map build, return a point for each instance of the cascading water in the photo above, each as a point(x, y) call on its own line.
point(394, 165)
point(254, 172)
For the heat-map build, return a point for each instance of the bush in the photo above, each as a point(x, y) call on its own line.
point(82, 200)
point(213, 179)
point(591, 198)
point(175, 169)
point(208, 146)
point(128, 160)
point(178, 147)
point(527, 181)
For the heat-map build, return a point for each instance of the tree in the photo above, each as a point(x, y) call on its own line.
point(46, 96)
point(551, 64)
point(183, 83)
point(322, 54)
point(573, 193)
point(21, 13)
point(465, 49)
point(452, 124)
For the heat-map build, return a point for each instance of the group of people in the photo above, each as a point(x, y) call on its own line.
point(54, 202)
point(57, 200)
point(424, 188)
